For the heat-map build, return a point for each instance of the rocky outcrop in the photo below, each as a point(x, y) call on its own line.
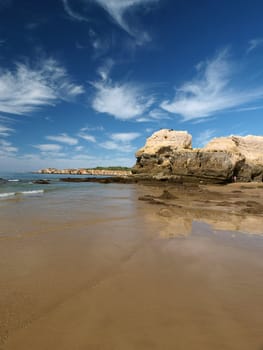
point(41, 182)
point(168, 154)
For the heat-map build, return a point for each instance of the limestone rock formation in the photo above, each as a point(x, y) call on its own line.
point(166, 139)
point(168, 154)
point(249, 149)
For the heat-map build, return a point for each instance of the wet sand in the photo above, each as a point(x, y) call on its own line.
point(121, 273)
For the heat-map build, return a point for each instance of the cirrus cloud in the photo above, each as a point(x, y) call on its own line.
point(87, 137)
point(63, 138)
point(254, 44)
point(123, 101)
point(121, 142)
point(125, 137)
point(48, 147)
point(117, 9)
point(204, 137)
point(5, 131)
point(7, 149)
point(210, 92)
point(25, 88)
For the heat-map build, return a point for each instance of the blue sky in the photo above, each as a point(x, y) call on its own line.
point(84, 82)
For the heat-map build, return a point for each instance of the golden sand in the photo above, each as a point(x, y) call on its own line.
point(124, 281)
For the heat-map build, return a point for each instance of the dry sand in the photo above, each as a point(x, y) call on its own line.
point(151, 276)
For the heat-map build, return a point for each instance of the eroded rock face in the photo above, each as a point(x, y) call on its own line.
point(166, 139)
point(169, 153)
point(248, 148)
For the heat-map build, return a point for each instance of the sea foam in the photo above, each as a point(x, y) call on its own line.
point(8, 194)
point(21, 193)
point(30, 192)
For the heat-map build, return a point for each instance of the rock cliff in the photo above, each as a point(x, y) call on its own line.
point(169, 154)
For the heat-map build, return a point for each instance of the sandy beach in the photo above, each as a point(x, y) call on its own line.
point(181, 268)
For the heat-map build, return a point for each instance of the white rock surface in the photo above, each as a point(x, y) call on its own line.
point(176, 140)
point(250, 147)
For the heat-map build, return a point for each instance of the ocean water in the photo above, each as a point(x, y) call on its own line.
point(18, 185)
point(29, 207)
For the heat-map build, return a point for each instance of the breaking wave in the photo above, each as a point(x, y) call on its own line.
point(8, 194)
point(30, 192)
point(21, 193)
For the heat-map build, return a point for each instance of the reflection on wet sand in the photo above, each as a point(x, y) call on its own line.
point(177, 209)
point(178, 223)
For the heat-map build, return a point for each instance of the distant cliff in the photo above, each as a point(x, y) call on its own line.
point(111, 171)
point(169, 154)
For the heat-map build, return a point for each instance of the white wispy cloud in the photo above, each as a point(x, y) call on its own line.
point(25, 88)
point(71, 13)
point(211, 91)
point(117, 9)
point(87, 137)
point(121, 142)
point(252, 108)
point(254, 43)
point(99, 43)
point(48, 147)
point(158, 114)
point(105, 69)
point(92, 128)
point(4, 118)
point(149, 130)
point(125, 137)
point(204, 137)
point(154, 115)
point(124, 101)
point(63, 138)
point(7, 149)
point(5, 131)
